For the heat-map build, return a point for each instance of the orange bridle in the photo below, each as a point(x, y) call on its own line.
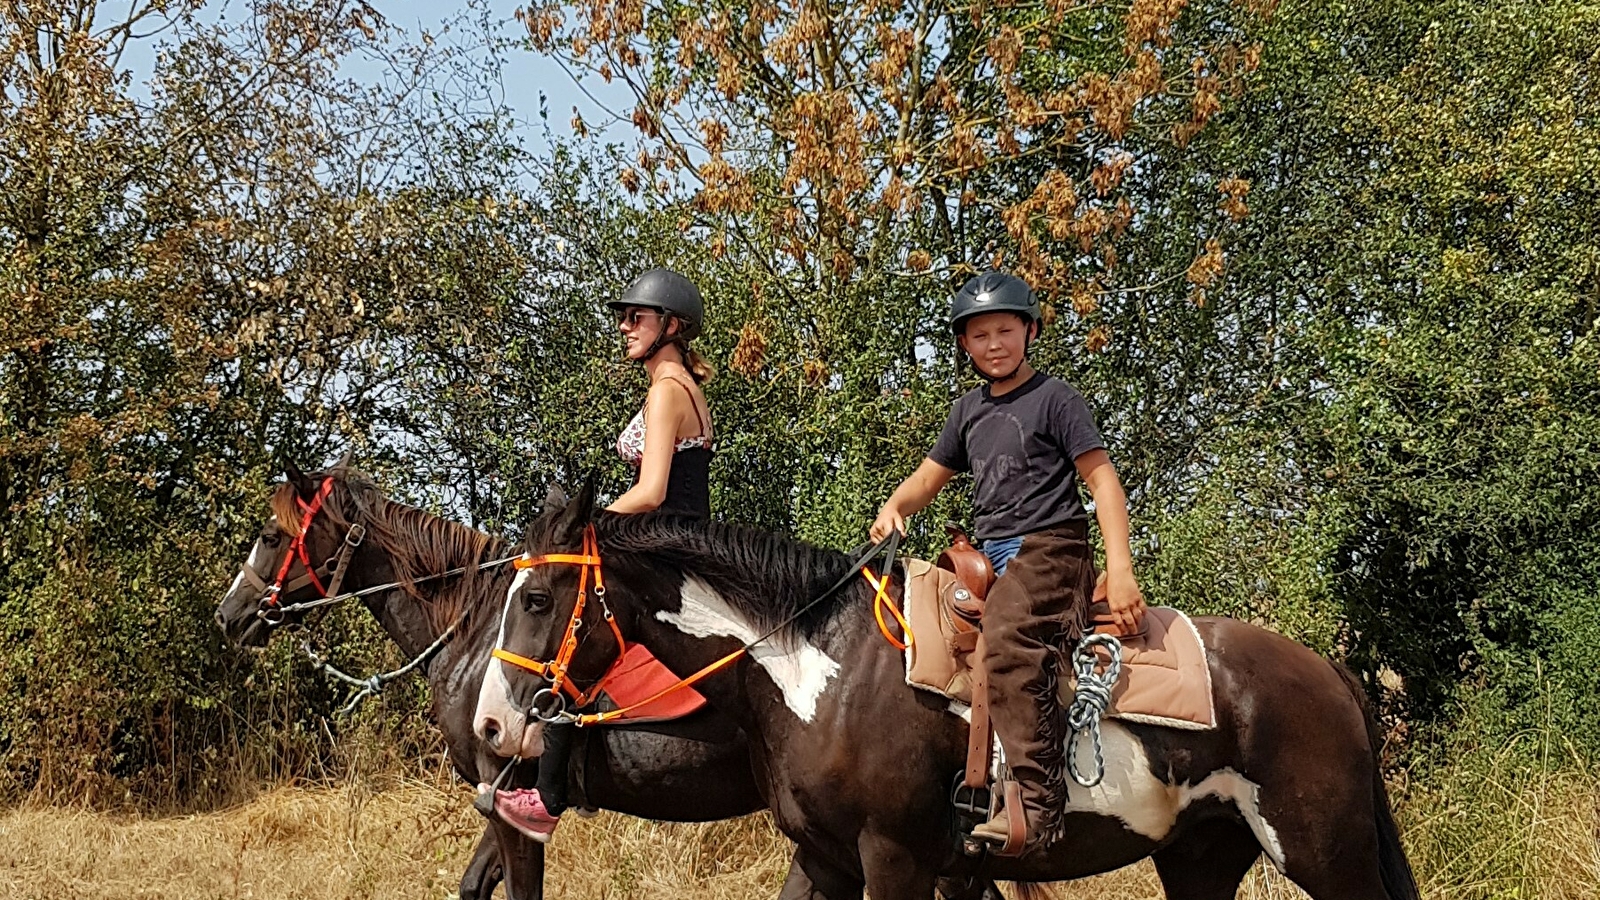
point(558, 671)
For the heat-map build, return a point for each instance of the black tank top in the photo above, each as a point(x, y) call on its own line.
point(688, 483)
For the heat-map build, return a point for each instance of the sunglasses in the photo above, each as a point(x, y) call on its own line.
point(632, 315)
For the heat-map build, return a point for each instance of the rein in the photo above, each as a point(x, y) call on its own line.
point(556, 671)
point(391, 585)
point(373, 685)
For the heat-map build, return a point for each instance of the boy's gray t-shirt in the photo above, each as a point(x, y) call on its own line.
point(1020, 449)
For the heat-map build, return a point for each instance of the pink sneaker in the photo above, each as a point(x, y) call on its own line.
point(525, 811)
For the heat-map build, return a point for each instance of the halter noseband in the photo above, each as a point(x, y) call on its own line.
point(558, 671)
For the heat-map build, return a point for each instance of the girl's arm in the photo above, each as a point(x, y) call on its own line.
point(1111, 510)
point(664, 410)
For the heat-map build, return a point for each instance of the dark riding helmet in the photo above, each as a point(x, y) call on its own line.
point(669, 292)
point(994, 291)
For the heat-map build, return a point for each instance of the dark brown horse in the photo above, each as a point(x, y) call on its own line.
point(696, 769)
point(856, 765)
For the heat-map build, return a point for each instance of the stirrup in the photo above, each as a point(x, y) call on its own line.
point(1015, 841)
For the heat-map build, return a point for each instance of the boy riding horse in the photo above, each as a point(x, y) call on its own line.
point(1028, 439)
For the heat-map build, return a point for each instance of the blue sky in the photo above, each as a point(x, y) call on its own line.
point(526, 74)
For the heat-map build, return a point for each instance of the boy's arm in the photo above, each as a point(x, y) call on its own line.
point(910, 497)
point(1111, 509)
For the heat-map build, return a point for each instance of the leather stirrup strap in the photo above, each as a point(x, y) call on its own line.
point(980, 735)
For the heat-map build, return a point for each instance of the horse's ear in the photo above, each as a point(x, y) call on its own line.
point(303, 483)
point(555, 498)
point(343, 464)
point(578, 514)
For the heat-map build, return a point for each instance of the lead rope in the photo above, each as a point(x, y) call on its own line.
point(1091, 700)
point(374, 685)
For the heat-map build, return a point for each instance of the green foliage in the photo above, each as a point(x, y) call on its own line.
point(1401, 443)
point(1343, 348)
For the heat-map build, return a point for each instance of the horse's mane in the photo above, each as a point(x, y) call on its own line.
point(767, 577)
point(417, 542)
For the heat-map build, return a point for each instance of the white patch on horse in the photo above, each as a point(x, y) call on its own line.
point(1149, 806)
point(1226, 784)
point(800, 670)
point(501, 681)
point(517, 583)
point(1128, 791)
point(250, 563)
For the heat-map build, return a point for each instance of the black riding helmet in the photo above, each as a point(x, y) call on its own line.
point(669, 292)
point(994, 291)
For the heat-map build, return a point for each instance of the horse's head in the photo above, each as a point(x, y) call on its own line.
point(301, 554)
point(555, 639)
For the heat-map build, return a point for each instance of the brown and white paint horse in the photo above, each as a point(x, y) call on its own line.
point(856, 765)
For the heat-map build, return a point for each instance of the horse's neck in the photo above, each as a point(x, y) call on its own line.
point(400, 614)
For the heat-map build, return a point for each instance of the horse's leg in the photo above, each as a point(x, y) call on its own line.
point(1209, 862)
point(521, 861)
point(812, 879)
point(1335, 864)
point(1337, 838)
point(484, 872)
point(893, 871)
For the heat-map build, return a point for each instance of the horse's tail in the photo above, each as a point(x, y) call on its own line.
point(1393, 867)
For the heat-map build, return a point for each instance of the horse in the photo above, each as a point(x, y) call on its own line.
point(695, 769)
point(856, 765)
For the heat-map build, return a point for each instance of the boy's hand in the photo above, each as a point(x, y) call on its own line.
point(888, 518)
point(1126, 601)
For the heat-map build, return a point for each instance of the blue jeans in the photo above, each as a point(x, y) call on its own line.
point(1001, 550)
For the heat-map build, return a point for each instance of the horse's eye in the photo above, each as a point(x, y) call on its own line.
point(271, 540)
point(536, 601)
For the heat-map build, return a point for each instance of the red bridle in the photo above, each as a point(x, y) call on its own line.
point(336, 567)
point(297, 548)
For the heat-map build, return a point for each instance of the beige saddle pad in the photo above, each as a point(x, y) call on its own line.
point(1164, 681)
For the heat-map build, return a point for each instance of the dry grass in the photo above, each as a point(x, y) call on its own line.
point(1491, 825)
point(414, 839)
point(411, 841)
